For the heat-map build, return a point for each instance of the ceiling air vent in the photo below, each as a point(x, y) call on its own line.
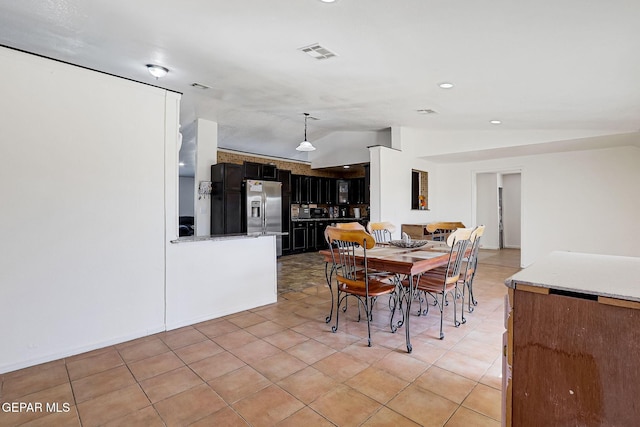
point(426, 111)
point(318, 52)
point(199, 86)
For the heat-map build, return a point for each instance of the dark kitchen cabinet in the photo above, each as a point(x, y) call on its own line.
point(320, 242)
point(252, 170)
point(357, 191)
point(296, 188)
point(311, 236)
point(226, 199)
point(299, 238)
point(284, 176)
point(327, 191)
point(312, 190)
point(367, 185)
point(286, 221)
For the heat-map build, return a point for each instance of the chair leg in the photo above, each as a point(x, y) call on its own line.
point(339, 300)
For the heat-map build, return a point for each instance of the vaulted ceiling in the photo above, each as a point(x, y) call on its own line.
point(546, 64)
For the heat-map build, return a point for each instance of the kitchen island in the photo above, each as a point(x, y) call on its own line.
point(572, 340)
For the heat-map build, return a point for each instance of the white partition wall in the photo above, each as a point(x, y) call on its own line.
point(83, 208)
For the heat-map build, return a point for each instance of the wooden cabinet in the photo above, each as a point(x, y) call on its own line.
point(226, 199)
point(252, 170)
point(299, 238)
point(570, 347)
point(320, 242)
point(284, 176)
point(296, 188)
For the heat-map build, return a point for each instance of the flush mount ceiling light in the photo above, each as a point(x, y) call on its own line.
point(495, 122)
point(445, 85)
point(305, 145)
point(157, 71)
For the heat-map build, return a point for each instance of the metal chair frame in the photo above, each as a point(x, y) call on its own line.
point(352, 276)
point(439, 284)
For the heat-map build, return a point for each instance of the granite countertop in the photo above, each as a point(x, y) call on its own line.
point(603, 275)
point(328, 219)
point(219, 237)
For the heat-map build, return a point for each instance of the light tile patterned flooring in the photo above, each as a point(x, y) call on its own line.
point(281, 365)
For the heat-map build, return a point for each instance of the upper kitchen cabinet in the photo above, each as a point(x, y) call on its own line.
point(229, 175)
point(284, 176)
point(226, 199)
point(253, 170)
point(296, 188)
point(327, 191)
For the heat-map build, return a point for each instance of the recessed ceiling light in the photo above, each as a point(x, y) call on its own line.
point(157, 71)
point(181, 163)
point(446, 85)
point(345, 166)
point(327, 1)
point(495, 122)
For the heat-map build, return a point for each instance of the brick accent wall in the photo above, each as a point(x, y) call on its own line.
point(296, 168)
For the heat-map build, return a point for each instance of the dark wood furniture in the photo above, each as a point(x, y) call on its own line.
point(571, 343)
point(432, 230)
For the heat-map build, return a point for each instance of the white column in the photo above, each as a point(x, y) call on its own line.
point(206, 155)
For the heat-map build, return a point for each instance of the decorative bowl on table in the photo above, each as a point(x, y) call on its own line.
point(408, 244)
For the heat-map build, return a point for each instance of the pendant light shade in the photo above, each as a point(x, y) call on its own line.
point(305, 145)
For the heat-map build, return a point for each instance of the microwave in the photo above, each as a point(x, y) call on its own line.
point(317, 213)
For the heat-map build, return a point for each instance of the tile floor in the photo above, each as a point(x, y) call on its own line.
point(281, 365)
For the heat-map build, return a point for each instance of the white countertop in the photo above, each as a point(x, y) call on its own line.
point(602, 275)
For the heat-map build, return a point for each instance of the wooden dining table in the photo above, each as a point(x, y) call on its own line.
point(403, 262)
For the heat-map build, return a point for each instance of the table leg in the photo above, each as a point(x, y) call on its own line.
point(407, 312)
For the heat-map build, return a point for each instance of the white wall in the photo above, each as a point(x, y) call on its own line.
point(89, 188)
point(346, 148)
point(187, 195)
point(82, 220)
point(209, 279)
point(391, 188)
point(206, 155)
point(511, 212)
point(581, 201)
point(577, 201)
point(487, 209)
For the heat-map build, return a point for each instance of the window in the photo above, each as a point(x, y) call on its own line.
point(419, 190)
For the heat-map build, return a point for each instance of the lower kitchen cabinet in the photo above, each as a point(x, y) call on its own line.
point(299, 238)
point(320, 242)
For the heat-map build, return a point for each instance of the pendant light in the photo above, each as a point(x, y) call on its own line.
point(305, 145)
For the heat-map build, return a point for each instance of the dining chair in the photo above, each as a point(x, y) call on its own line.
point(382, 231)
point(440, 283)
point(352, 275)
point(350, 226)
point(468, 272)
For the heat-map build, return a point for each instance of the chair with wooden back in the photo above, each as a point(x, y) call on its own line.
point(440, 283)
point(353, 278)
point(382, 231)
point(350, 226)
point(470, 268)
point(441, 230)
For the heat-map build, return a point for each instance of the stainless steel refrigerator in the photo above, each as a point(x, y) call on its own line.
point(264, 209)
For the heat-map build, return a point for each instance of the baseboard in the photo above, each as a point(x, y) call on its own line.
point(79, 350)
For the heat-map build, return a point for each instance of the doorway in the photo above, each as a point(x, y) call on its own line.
point(498, 206)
